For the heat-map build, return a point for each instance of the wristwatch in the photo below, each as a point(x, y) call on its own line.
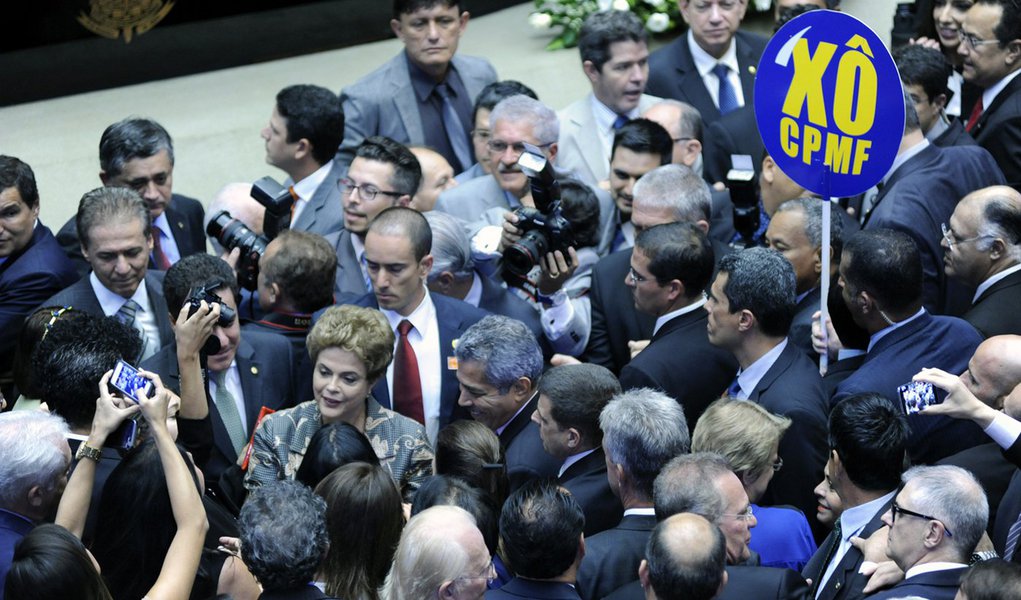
point(87, 451)
point(977, 557)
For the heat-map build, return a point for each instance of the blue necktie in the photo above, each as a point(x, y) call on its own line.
point(620, 122)
point(727, 97)
point(456, 133)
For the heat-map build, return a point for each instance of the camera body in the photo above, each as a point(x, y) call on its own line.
point(741, 184)
point(546, 229)
point(205, 293)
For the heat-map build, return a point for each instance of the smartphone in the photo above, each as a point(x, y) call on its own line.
point(123, 438)
point(916, 395)
point(129, 383)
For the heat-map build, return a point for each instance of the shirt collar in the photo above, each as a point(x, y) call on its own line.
point(854, 519)
point(111, 302)
point(308, 186)
point(803, 295)
point(606, 116)
point(994, 90)
point(641, 512)
point(938, 128)
point(422, 318)
point(680, 311)
point(162, 223)
point(359, 246)
point(932, 568)
point(988, 283)
point(524, 405)
point(904, 157)
point(705, 63)
point(474, 295)
point(890, 328)
point(750, 377)
point(570, 460)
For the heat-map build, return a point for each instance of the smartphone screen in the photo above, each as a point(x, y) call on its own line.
point(128, 382)
point(916, 395)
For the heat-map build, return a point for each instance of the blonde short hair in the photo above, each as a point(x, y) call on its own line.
point(742, 431)
point(363, 332)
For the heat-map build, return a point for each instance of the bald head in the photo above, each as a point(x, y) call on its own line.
point(437, 176)
point(985, 235)
point(995, 369)
point(685, 558)
point(684, 124)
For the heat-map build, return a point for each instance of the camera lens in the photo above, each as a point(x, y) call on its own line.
point(520, 257)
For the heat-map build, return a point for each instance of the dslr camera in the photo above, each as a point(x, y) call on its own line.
point(232, 233)
point(227, 314)
point(741, 184)
point(546, 229)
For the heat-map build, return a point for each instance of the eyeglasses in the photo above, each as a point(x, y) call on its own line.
point(778, 464)
point(681, 139)
point(725, 5)
point(745, 515)
point(974, 42)
point(896, 509)
point(488, 573)
point(482, 134)
point(951, 239)
point(635, 277)
point(500, 146)
point(366, 192)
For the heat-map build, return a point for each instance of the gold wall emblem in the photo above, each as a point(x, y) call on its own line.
point(111, 18)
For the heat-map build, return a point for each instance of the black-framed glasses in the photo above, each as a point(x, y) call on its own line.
point(778, 464)
point(366, 192)
point(948, 235)
point(896, 509)
point(975, 42)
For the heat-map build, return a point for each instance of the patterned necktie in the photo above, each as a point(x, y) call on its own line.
point(158, 257)
point(1012, 537)
point(976, 113)
point(365, 272)
point(228, 409)
point(127, 313)
point(833, 542)
point(407, 383)
point(727, 97)
point(456, 133)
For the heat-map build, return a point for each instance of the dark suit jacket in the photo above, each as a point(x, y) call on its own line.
point(955, 135)
point(27, 278)
point(82, 297)
point(294, 329)
point(537, 590)
point(937, 585)
point(792, 387)
point(800, 333)
point(307, 592)
point(672, 73)
point(526, 460)
point(988, 464)
point(919, 196)
point(761, 583)
point(184, 215)
point(586, 480)
point(681, 362)
point(264, 365)
point(13, 527)
point(929, 341)
point(845, 583)
point(1007, 514)
point(998, 130)
point(996, 311)
point(499, 301)
point(350, 281)
point(734, 133)
point(612, 557)
point(453, 317)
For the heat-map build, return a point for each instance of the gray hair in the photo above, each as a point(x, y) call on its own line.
point(129, 139)
point(451, 249)
point(30, 443)
point(283, 534)
point(687, 484)
point(522, 109)
point(956, 498)
point(761, 280)
point(811, 208)
point(676, 188)
point(428, 554)
point(110, 204)
point(506, 348)
point(642, 430)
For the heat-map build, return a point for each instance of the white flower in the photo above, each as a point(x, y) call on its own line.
point(540, 20)
point(657, 22)
point(604, 5)
point(659, 5)
point(762, 5)
point(621, 5)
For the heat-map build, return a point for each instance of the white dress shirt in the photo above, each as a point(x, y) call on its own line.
point(988, 283)
point(705, 64)
point(570, 460)
point(605, 118)
point(145, 318)
point(161, 227)
point(852, 522)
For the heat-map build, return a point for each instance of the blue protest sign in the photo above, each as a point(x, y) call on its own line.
point(829, 103)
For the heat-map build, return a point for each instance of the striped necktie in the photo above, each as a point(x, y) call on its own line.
point(127, 315)
point(228, 409)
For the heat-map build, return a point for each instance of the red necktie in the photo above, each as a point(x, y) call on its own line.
point(975, 114)
point(158, 257)
point(407, 385)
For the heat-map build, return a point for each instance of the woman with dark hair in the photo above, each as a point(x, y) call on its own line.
point(940, 28)
point(364, 517)
point(471, 452)
point(50, 563)
point(334, 446)
point(350, 348)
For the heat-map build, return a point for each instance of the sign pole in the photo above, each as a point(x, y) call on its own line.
point(824, 283)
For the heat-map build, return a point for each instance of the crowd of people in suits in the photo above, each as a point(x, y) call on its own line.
point(363, 396)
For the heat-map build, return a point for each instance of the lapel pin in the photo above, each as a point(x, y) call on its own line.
point(255, 370)
point(180, 224)
point(751, 69)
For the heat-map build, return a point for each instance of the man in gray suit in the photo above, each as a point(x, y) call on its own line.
point(382, 174)
point(614, 56)
point(115, 229)
point(424, 95)
point(302, 136)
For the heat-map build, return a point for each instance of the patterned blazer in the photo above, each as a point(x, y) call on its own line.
point(283, 437)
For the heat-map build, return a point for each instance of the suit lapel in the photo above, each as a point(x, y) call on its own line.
point(1012, 280)
point(404, 98)
point(347, 261)
point(153, 289)
point(691, 84)
point(519, 422)
point(899, 334)
point(318, 200)
point(1006, 92)
point(250, 371)
point(747, 62)
point(449, 323)
point(588, 464)
point(179, 229)
point(685, 320)
point(783, 362)
point(918, 161)
point(590, 146)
